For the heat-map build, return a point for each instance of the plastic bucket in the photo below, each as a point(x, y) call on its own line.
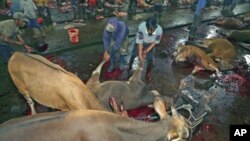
point(39, 20)
point(73, 35)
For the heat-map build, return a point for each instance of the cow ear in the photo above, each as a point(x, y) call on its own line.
point(159, 106)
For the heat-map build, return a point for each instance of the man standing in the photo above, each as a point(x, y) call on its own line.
point(30, 10)
point(14, 6)
point(148, 36)
point(132, 7)
point(9, 31)
point(198, 15)
point(158, 8)
point(115, 43)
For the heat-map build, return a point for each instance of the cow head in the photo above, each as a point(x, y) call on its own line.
point(179, 52)
point(189, 53)
point(182, 53)
point(178, 128)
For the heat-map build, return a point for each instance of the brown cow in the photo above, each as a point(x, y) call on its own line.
point(230, 22)
point(197, 57)
point(134, 91)
point(95, 125)
point(49, 84)
point(223, 51)
point(246, 17)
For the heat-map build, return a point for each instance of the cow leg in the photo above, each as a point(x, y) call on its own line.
point(218, 73)
point(116, 109)
point(211, 55)
point(98, 69)
point(196, 69)
point(31, 104)
point(23, 90)
point(94, 80)
point(136, 77)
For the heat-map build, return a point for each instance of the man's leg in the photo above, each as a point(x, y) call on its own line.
point(123, 67)
point(150, 57)
point(132, 8)
point(33, 24)
point(5, 53)
point(196, 23)
point(158, 11)
point(123, 53)
point(132, 58)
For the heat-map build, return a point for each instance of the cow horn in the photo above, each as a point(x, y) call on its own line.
point(160, 108)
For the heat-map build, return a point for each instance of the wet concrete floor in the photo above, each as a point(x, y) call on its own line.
point(229, 106)
point(91, 31)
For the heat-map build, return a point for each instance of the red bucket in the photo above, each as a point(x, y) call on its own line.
point(73, 35)
point(39, 20)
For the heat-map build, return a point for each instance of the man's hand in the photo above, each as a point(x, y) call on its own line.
point(28, 48)
point(106, 56)
point(17, 42)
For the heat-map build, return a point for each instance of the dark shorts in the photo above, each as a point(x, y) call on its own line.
point(5, 53)
point(33, 24)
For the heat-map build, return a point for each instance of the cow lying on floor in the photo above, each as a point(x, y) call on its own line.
point(94, 125)
point(49, 84)
point(134, 91)
point(237, 35)
point(229, 22)
point(197, 57)
point(222, 51)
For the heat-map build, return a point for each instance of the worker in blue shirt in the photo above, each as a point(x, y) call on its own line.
point(115, 43)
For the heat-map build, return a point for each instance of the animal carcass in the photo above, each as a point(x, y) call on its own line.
point(229, 22)
point(134, 91)
point(49, 84)
point(95, 125)
point(238, 35)
point(197, 57)
point(223, 51)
